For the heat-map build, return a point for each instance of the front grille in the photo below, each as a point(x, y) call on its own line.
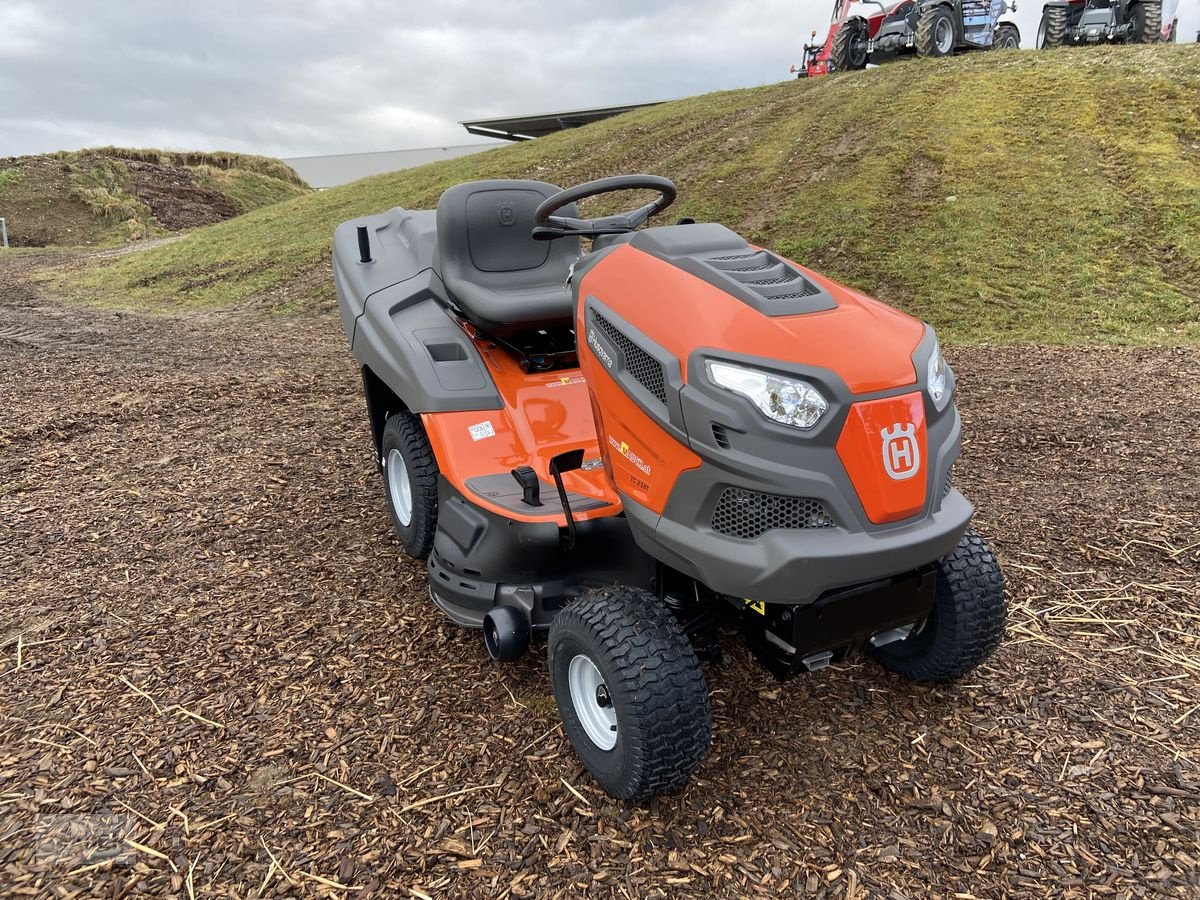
point(645, 369)
point(746, 514)
point(948, 483)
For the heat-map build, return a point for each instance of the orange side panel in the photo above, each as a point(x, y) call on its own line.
point(867, 343)
point(882, 447)
point(543, 415)
point(644, 459)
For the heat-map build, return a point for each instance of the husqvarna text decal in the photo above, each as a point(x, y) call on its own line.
point(594, 343)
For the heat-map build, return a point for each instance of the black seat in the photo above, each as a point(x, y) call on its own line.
point(497, 274)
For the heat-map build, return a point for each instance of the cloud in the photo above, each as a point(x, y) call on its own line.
point(301, 77)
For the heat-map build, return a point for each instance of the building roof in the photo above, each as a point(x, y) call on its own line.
point(524, 128)
point(329, 171)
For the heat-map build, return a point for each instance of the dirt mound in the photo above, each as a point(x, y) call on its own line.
point(175, 199)
point(113, 195)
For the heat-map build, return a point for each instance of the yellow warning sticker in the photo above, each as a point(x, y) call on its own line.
point(759, 606)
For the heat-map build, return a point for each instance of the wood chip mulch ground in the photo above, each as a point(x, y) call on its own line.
point(218, 677)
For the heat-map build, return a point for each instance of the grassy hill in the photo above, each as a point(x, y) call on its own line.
point(111, 195)
point(1004, 196)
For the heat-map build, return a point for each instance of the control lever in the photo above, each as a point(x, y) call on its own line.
point(531, 488)
point(566, 462)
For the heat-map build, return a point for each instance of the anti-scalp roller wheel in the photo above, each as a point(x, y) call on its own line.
point(505, 634)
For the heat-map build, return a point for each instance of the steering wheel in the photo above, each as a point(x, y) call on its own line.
point(549, 226)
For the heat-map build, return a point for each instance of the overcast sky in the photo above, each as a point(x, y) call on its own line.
point(305, 77)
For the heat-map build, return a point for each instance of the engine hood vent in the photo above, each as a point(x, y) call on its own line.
point(759, 278)
point(769, 276)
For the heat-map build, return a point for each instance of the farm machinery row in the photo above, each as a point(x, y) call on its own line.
point(1080, 22)
point(876, 31)
point(870, 32)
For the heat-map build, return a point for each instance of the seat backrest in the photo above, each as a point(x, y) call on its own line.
point(484, 236)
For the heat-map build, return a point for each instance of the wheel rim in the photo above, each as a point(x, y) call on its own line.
point(857, 51)
point(592, 703)
point(399, 487)
point(943, 35)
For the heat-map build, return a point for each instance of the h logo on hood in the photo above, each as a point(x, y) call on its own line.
point(901, 455)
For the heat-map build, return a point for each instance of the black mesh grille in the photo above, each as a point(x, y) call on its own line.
point(747, 514)
point(948, 483)
point(646, 370)
point(796, 295)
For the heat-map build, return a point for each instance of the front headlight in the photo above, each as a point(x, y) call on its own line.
point(937, 375)
point(788, 401)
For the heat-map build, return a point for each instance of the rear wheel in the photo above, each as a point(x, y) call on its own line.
point(630, 692)
point(1052, 30)
point(849, 50)
point(967, 622)
point(1007, 38)
point(1146, 18)
point(935, 32)
point(410, 474)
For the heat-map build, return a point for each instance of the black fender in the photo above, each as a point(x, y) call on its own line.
point(414, 357)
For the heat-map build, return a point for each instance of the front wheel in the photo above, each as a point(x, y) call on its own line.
point(849, 50)
point(967, 621)
point(1052, 30)
point(1007, 38)
point(630, 692)
point(935, 32)
point(1146, 18)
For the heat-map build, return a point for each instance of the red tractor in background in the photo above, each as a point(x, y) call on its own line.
point(1067, 23)
point(874, 31)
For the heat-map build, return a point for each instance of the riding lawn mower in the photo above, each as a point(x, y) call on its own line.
point(641, 449)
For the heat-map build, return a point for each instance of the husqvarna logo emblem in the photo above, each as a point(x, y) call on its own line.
point(901, 455)
point(506, 214)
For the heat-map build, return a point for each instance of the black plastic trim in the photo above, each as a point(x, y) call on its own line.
point(481, 560)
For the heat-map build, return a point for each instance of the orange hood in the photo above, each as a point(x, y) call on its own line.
point(868, 344)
